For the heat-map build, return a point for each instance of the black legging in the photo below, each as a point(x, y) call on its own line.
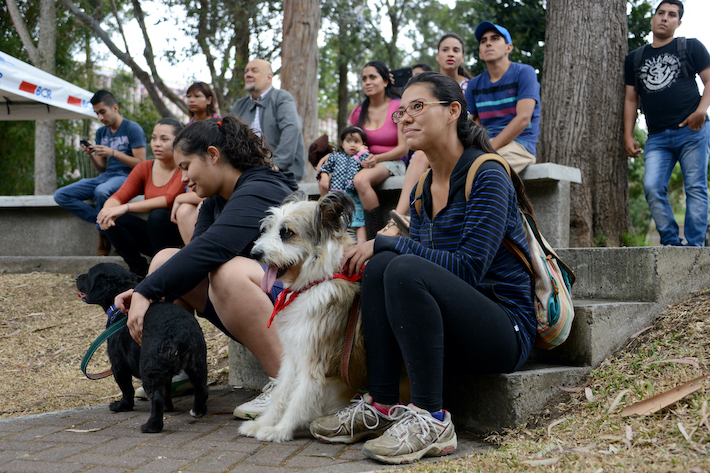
point(416, 312)
point(133, 237)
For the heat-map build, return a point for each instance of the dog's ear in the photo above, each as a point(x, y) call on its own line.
point(335, 212)
point(296, 196)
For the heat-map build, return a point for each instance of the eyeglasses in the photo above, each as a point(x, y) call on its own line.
point(413, 109)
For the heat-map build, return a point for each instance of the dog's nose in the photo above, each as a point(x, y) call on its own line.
point(256, 254)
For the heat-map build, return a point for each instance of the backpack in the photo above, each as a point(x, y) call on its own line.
point(551, 278)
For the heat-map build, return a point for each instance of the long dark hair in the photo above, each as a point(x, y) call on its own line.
point(384, 72)
point(462, 70)
point(235, 140)
point(445, 89)
point(208, 93)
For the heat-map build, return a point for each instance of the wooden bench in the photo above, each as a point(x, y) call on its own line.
point(547, 185)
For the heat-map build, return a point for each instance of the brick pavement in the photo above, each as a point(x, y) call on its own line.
point(107, 442)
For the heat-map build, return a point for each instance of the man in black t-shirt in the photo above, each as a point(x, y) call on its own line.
point(662, 76)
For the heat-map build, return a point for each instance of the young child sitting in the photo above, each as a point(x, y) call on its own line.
point(338, 171)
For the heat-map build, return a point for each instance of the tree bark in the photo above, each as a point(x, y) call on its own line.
point(43, 57)
point(299, 70)
point(582, 100)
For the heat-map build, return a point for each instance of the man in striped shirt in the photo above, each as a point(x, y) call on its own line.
point(506, 98)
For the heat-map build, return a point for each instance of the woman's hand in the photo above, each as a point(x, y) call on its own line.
point(108, 215)
point(371, 161)
point(136, 305)
point(356, 256)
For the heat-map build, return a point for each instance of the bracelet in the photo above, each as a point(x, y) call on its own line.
point(128, 208)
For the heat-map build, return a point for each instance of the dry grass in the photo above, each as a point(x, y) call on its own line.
point(45, 330)
point(584, 431)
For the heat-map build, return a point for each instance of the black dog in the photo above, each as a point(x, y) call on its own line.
point(172, 341)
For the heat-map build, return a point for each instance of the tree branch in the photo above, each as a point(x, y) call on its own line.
point(120, 25)
point(143, 76)
point(150, 59)
point(21, 28)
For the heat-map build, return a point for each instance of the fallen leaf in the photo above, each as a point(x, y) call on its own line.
point(658, 402)
point(83, 431)
point(11, 334)
point(557, 422)
point(546, 461)
point(588, 393)
point(618, 399)
point(683, 431)
point(611, 438)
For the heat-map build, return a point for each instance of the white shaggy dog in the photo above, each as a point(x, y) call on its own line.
point(302, 243)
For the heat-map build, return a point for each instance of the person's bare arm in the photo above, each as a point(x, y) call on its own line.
point(696, 119)
point(523, 116)
point(631, 103)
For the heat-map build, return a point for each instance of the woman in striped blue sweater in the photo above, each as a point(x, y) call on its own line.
point(452, 299)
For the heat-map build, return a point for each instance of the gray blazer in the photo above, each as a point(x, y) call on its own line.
point(281, 127)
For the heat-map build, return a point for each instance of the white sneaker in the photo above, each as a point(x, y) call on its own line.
point(254, 408)
point(180, 384)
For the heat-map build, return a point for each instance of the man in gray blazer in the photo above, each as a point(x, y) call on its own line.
point(272, 113)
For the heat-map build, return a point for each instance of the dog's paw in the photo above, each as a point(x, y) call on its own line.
point(152, 427)
point(269, 433)
point(198, 413)
point(249, 428)
point(121, 406)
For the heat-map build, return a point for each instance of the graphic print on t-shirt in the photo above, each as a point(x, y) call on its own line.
point(660, 72)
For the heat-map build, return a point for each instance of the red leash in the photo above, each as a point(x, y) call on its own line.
point(283, 299)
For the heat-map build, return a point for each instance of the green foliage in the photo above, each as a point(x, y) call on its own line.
point(639, 21)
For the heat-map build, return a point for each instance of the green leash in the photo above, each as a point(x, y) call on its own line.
point(116, 322)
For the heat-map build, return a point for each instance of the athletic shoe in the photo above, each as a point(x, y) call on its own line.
point(254, 408)
point(179, 386)
point(416, 434)
point(359, 420)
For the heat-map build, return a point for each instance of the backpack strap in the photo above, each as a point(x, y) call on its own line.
point(470, 177)
point(682, 51)
point(473, 170)
point(638, 57)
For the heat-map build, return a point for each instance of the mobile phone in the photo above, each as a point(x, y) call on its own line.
point(402, 76)
point(85, 143)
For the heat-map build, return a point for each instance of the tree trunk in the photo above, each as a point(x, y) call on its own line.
point(343, 95)
point(45, 159)
point(582, 101)
point(43, 57)
point(299, 70)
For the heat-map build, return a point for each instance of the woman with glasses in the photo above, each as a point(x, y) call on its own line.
point(450, 57)
point(385, 142)
point(450, 301)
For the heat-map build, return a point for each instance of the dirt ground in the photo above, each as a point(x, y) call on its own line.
point(45, 329)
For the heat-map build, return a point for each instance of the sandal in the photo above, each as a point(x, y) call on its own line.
point(402, 222)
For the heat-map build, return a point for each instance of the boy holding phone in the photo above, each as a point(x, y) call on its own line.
point(120, 145)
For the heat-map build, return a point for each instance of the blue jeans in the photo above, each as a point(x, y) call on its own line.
point(98, 188)
point(663, 150)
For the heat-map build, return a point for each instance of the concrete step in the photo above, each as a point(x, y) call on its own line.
point(599, 329)
point(485, 404)
point(645, 274)
point(54, 264)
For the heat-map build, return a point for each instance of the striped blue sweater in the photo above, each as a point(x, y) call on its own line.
point(466, 238)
